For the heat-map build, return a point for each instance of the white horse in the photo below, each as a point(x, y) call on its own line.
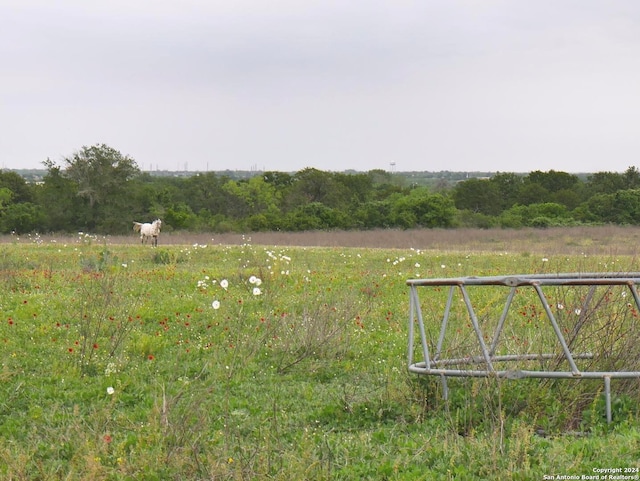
point(148, 231)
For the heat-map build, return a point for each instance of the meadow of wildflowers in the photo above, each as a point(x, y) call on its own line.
point(252, 362)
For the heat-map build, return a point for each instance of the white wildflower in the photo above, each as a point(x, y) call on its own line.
point(110, 390)
point(215, 304)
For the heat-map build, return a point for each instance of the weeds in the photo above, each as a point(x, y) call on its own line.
point(242, 362)
point(103, 313)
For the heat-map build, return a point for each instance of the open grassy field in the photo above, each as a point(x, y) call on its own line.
point(283, 356)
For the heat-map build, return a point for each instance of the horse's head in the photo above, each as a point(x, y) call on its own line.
point(157, 223)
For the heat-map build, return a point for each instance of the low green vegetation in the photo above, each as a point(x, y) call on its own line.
point(250, 362)
point(94, 186)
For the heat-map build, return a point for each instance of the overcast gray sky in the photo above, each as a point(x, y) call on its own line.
point(460, 85)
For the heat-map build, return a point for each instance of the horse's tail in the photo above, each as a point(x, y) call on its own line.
point(137, 226)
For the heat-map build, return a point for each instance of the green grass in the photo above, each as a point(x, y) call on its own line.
point(116, 365)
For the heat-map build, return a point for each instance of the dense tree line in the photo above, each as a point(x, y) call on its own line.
point(99, 190)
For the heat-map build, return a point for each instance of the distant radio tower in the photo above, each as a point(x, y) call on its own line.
point(393, 167)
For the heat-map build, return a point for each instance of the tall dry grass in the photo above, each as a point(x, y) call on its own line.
point(599, 240)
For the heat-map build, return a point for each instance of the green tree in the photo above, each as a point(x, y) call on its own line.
point(535, 215)
point(632, 178)
point(20, 190)
point(621, 207)
point(280, 180)
point(373, 214)
point(100, 172)
point(508, 186)
point(312, 185)
point(385, 184)
point(17, 211)
point(315, 216)
point(421, 208)
point(553, 181)
point(149, 195)
point(57, 197)
point(570, 198)
point(478, 195)
point(605, 183)
point(21, 217)
point(358, 186)
point(206, 194)
point(180, 216)
point(532, 193)
point(552, 186)
point(5, 202)
point(5, 197)
point(255, 194)
point(102, 175)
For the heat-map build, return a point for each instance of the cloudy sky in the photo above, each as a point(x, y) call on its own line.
point(459, 85)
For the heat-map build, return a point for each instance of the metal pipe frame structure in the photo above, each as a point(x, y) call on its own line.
point(435, 366)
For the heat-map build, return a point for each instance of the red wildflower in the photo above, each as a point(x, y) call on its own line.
point(151, 357)
point(107, 438)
